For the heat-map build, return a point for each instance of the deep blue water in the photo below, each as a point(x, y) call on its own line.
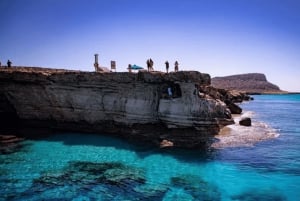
point(90, 167)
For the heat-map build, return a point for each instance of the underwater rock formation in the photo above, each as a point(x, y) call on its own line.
point(148, 106)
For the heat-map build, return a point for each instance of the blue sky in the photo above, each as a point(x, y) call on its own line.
point(219, 37)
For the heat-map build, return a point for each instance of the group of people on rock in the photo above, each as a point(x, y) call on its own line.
point(150, 64)
point(8, 64)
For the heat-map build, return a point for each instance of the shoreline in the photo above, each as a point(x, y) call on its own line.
point(236, 135)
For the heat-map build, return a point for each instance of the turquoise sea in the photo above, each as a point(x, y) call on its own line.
point(258, 163)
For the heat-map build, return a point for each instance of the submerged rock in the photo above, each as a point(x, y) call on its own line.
point(87, 179)
point(196, 187)
point(260, 194)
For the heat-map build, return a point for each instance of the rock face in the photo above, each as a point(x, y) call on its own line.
point(131, 105)
point(229, 97)
point(252, 83)
point(234, 108)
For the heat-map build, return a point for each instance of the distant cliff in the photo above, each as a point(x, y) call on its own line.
point(150, 106)
point(251, 83)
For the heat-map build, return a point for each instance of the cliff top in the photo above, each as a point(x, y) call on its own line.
point(251, 83)
point(51, 74)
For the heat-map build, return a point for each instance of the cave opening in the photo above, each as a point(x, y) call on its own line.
point(171, 90)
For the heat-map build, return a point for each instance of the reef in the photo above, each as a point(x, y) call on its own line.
point(181, 108)
point(82, 180)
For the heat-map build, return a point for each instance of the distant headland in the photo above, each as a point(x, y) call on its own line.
point(251, 83)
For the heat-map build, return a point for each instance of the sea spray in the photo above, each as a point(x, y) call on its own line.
point(236, 135)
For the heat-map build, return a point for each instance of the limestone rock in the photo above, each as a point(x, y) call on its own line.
point(234, 108)
point(130, 105)
point(166, 143)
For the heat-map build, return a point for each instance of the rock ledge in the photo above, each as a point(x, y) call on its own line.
point(130, 105)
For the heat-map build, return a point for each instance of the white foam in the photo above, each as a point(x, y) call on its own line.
point(236, 135)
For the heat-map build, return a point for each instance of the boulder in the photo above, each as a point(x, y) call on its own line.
point(234, 108)
point(246, 121)
point(166, 143)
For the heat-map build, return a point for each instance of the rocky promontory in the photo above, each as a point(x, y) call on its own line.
point(179, 109)
point(251, 83)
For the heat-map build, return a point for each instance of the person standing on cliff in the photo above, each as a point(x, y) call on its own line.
point(148, 65)
point(151, 64)
point(176, 66)
point(167, 66)
point(9, 63)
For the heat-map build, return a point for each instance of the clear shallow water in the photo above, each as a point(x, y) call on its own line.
point(89, 167)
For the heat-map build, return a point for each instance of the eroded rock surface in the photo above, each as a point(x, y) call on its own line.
point(131, 105)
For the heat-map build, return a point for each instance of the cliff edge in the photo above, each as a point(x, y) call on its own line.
point(150, 106)
point(252, 83)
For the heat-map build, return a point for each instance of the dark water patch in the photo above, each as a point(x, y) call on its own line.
point(9, 189)
point(152, 192)
point(197, 187)
point(266, 157)
point(142, 150)
point(260, 194)
point(3, 172)
point(190, 156)
point(101, 140)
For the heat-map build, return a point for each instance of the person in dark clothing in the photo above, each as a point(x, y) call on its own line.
point(148, 65)
point(9, 63)
point(151, 64)
point(176, 66)
point(167, 66)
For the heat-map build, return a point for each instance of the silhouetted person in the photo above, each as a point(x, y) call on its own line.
point(9, 63)
point(129, 68)
point(0, 63)
point(167, 66)
point(151, 64)
point(148, 65)
point(176, 66)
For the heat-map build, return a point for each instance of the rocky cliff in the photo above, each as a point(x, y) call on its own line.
point(130, 105)
point(253, 83)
